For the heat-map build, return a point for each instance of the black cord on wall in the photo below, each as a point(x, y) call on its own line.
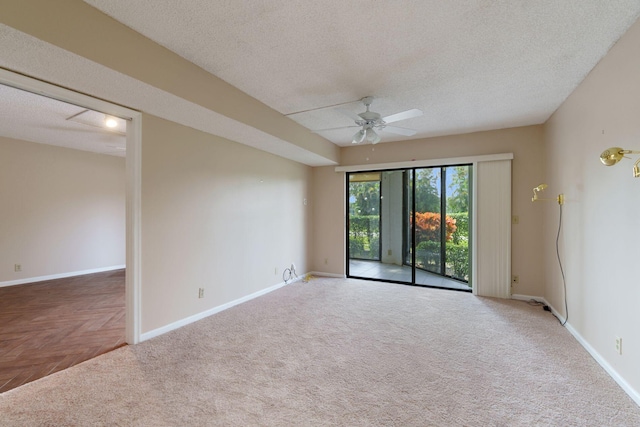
point(564, 282)
point(289, 274)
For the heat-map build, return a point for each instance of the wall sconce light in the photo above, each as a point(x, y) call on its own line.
point(536, 190)
point(613, 155)
point(541, 187)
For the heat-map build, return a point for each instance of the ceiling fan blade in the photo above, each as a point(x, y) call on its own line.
point(398, 130)
point(341, 127)
point(404, 115)
point(353, 116)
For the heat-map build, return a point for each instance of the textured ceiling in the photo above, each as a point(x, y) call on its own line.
point(31, 56)
point(472, 65)
point(30, 117)
point(469, 65)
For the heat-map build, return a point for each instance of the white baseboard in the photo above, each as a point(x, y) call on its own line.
point(321, 274)
point(60, 275)
point(199, 316)
point(559, 316)
point(633, 394)
point(520, 297)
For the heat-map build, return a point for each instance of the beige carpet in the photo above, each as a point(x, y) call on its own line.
point(340, 352)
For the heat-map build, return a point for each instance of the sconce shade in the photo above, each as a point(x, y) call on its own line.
point(611, 156)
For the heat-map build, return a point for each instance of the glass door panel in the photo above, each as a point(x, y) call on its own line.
point(428, 206)
point(364, 216)
point(410, 226)
point(363, 222)
point(407, 220)
point(457, 209)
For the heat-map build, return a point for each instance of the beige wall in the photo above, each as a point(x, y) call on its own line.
point(601, 225)
point(328, 221)
point(215, 214)
point(525, 143)
point(62, 210)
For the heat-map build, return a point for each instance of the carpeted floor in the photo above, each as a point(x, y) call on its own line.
point(345, 353)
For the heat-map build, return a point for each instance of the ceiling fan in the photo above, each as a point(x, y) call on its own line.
point(370, 121)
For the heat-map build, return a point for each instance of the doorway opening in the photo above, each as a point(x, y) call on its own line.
point(411, 226)
point(126, 291)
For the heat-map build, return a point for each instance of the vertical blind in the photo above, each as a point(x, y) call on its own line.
point(493, 229)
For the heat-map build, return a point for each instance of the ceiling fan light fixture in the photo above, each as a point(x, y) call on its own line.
point(358, 137)
point(372, 136)
point(368, 121)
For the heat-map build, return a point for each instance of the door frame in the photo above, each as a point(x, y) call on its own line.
point(476, 160)
point(410, 172)
point(133, 180)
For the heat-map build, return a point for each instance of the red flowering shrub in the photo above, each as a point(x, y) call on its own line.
point(428, 226)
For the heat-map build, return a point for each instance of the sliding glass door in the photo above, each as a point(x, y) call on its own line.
point(364, 216)
point(457, 255)
point(427, 219)
point(410, 226)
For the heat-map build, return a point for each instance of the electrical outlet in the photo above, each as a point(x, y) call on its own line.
point(17, 267)
point(389, 252)
point(515, 279)
point(201, 293)
point(515, 219)
point(619, 345)
point(275, 271)
point(326, 261)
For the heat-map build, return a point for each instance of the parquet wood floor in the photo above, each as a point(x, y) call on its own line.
point(49, 326)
